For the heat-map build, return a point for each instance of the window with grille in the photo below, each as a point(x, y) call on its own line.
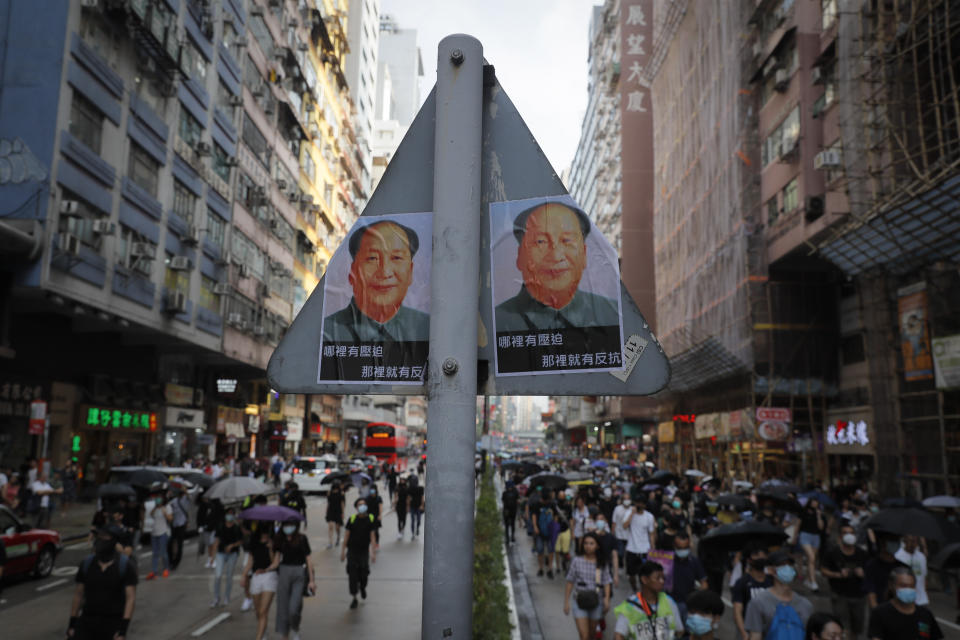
point(791, 196)
point(142, 169)
point(208, 299)
point(220, 166)
point(86, 122)
point(191, 131)
point(216, 228)
point(126, 252)
point(80, 223)
point(184, 202)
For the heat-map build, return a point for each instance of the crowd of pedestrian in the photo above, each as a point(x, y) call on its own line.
point(675, 539)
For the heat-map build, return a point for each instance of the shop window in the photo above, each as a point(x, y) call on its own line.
point(184, 201)
point(142, 169)
point(86, 122)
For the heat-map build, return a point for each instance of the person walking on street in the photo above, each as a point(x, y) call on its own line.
point(642, 529)
point(589, 579)
point(544, 516)
point(260, 576)
point(360, 537)
point(162, 516)
point(510, 498)
point(824, 626)
point(294, 500)
point(294, 567)
point(704, 611)
point(106, 592)
point(650, 612)
point(876, 572)
point(620, 531)
point(69, 476)
point(375, 508)
point(778, 611)
point(811, 529)
point(688, 573)
point(911, 555)
point(226, 545)
point(179, 505)
point(754, 580)
point(843, 567)
point(401, 504)
point(335, 507)
point(901, 618)
point(417, 504)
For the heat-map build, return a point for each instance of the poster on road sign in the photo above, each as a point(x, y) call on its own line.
point(376, 304)
point(556, 289)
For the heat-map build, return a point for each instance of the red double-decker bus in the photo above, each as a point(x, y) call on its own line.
point(387, 442)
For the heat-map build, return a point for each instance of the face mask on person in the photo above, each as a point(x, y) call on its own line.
point(289, 529)
point(892, 546)
point(607, 492)
point(362, 508)
point(626, 502)
point(601, 526)
point(786, 574)
point(373, 492)
point(907, 595)
point(874, 509)
point(676, 504)
point(104, 549)
point(682, 553)
point(699, 625)
point(849, 539)
point(158, 501)
point(229, 517)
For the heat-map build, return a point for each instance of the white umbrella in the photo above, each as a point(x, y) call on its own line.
point(235, 488)
point(694, 472)
point(737, 484)
point(942, 502)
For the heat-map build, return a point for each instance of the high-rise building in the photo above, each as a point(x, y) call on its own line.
point(363, 34)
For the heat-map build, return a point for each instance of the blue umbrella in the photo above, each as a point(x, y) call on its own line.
point(824, 500)
point(598, 463)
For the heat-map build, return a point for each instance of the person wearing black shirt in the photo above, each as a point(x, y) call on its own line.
point(335, 504)
point(375, 508)
point(416, 505)
point(901, 618)
point(843, 567)
point(401, 503)
point(106, 592)
point(608, 551)
point(226, 544)
point(811, 528)
point(260, 577)
point(510, 499)
point(294, 567)
point(753, 581)
point(360, 536)
point(123, 534)
point(607, 503)
point(392, 481)
point(877, 570)
point(293, 499)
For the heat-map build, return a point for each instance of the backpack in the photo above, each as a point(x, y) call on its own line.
point(121, 563)
point(786, 624)
point(545, 522)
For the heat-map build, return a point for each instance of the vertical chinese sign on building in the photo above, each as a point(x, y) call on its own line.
point(636, 156)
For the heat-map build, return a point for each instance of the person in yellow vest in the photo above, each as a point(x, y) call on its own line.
point(649, 614)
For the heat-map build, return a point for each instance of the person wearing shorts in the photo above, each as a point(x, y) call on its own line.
point(583, 574)
point(260, 576)
point(641, 537)
point(811, 527)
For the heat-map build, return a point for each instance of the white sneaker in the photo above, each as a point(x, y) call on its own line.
point(295, 636)
point(399, 536)
point(214, 603)
point(247, 604)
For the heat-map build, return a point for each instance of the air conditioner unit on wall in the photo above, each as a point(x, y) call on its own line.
point(176, 302)
point(143, 250)
point(827, 160)
point(222, 288)
point(69, 207)
point(203, 148)
point(817, 75)
point(191, 236)
point(180, 263)
point(243, 271)
point(781, 80)
point(69, 244)
point(104, 227)
point(236, 101)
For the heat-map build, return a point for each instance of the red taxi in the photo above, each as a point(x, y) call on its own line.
point(28, 550)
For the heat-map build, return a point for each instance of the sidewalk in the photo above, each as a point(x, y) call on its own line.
point(73, 524)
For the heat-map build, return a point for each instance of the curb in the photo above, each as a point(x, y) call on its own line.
point(523, 615)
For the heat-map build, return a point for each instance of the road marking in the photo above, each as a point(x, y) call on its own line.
point(146, 554)
point(51, 585)
point(210, 625)
point(949, 624)
point(65, 571)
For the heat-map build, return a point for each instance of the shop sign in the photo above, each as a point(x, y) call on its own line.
point(685, 417)
point(914, 332)
point(666, 432)
point(946, 362)
point(843, 432)
point(230, 421)
point(178, 394)
point(294, 429)
point(706, 425)
point(38, 417)
point(181, 418)
point(226, 385)
point(15, 398)
point(109, 418)
point(774, 414)
point(773, 430)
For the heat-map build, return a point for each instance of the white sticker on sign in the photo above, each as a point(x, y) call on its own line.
point(632, 350)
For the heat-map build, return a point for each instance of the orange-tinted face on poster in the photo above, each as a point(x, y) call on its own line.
point(552, 254)
point(382, 270)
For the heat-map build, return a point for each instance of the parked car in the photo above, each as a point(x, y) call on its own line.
point(29, 550)
point(309, 472)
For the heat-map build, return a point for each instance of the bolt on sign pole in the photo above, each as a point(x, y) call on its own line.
point(452, 365)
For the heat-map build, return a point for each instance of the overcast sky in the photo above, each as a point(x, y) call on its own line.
point(539, 49)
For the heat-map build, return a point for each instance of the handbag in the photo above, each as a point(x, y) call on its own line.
point(588, 599)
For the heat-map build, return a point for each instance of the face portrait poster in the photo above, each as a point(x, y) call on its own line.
point(376, 303)
point(556, 289)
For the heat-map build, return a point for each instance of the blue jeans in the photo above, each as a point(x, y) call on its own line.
point(415, 516)
point(159, 544)
point(223, 568)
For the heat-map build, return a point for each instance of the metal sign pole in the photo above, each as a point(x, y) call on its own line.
point(452, 377)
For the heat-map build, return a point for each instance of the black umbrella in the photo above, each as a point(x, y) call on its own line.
point(199, 479)
point(335, 476)
point(948, 557)
point(733, 537)
point(115, 490)
point(738, 502)
point(546, 480)
point(663, 477)
point(901, 502)
point(906, 521)
point(145, 478)
point(779, 486)
point(780, 501)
